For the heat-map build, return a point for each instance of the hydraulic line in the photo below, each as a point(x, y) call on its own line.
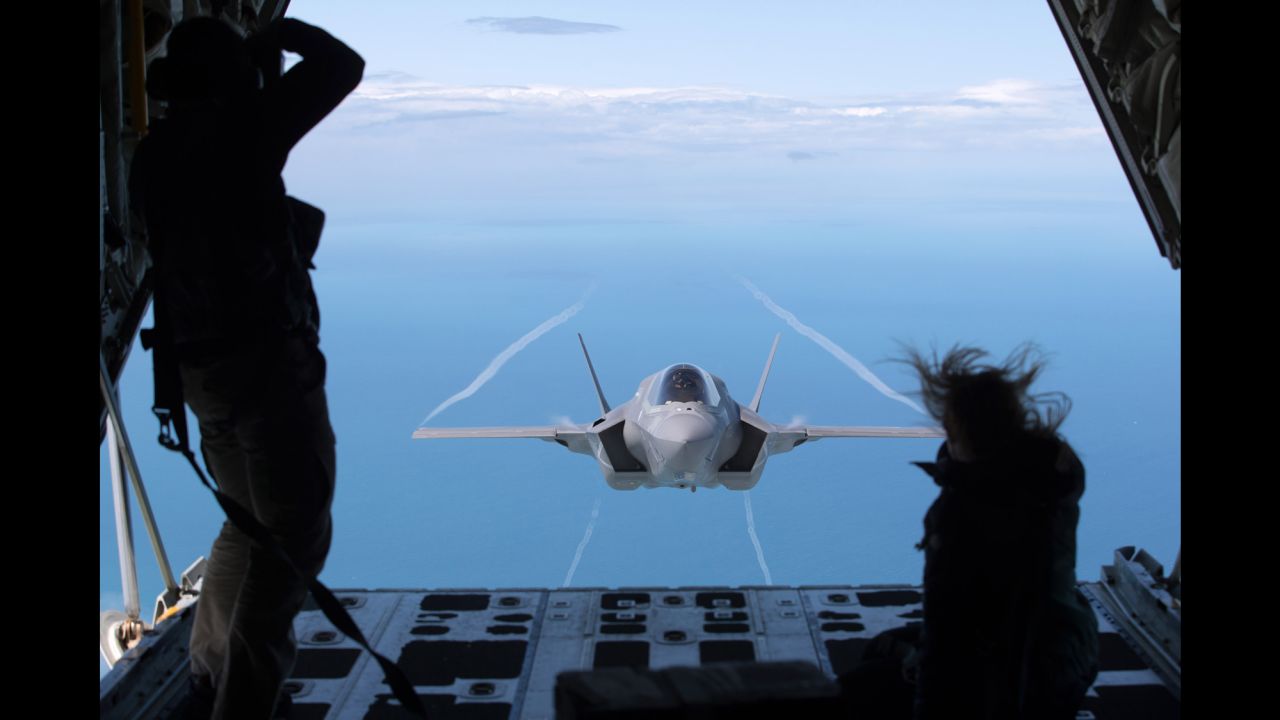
point(137, 58)
point(124, 527)
point(131, 463)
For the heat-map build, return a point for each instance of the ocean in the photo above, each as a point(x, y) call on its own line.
point(412, 313)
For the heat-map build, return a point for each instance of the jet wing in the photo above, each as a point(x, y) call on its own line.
point(543, 432)
point(816, 432)
point(785, 439)
point(572, 437)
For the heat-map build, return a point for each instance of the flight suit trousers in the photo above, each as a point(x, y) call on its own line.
point(266, 438)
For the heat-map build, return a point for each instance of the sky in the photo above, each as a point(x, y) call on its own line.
point(925, 173)
point(696, 112)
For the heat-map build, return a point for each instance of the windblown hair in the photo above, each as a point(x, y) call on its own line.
point(984, 407)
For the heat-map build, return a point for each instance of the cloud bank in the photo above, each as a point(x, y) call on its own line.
point(541, 26)
point(619, 122)
point(802, 155)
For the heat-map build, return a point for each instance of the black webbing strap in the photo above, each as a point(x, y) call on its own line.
point(168, 404)
point(171, 412)
point(329, 605)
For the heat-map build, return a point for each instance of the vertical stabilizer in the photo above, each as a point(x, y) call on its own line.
point(604, 404)
point(755, 401)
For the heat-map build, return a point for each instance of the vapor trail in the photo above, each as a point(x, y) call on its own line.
point(755, 539)
point(496, 364)
point(850, 361)
point(586, 537)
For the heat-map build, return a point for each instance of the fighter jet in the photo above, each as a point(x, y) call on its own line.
point(680, 430)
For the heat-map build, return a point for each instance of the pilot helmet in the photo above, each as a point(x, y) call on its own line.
point(684, 379)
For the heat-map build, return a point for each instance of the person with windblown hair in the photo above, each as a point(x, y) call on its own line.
point(1006, 632)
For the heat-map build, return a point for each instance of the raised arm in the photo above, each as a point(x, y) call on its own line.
point(327, 73)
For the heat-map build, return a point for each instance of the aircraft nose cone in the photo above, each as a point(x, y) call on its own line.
point(686, 427)
point(684, 440)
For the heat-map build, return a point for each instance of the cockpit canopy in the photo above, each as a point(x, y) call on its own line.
point(684, 383)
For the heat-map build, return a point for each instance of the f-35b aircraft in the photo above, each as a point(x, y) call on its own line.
point(680, 430)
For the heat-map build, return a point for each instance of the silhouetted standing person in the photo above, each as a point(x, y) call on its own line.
point(234, 300)
point(1006, 632)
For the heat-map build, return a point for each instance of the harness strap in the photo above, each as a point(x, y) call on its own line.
point(168, 404)
point(325, 599)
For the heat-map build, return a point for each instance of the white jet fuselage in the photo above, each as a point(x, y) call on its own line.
point(680, 430)
point(681, 444)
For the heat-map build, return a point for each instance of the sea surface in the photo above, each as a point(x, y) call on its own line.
point(413, 312)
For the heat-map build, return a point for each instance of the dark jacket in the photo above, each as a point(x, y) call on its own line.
point(1006, 632)
point(206, 181)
